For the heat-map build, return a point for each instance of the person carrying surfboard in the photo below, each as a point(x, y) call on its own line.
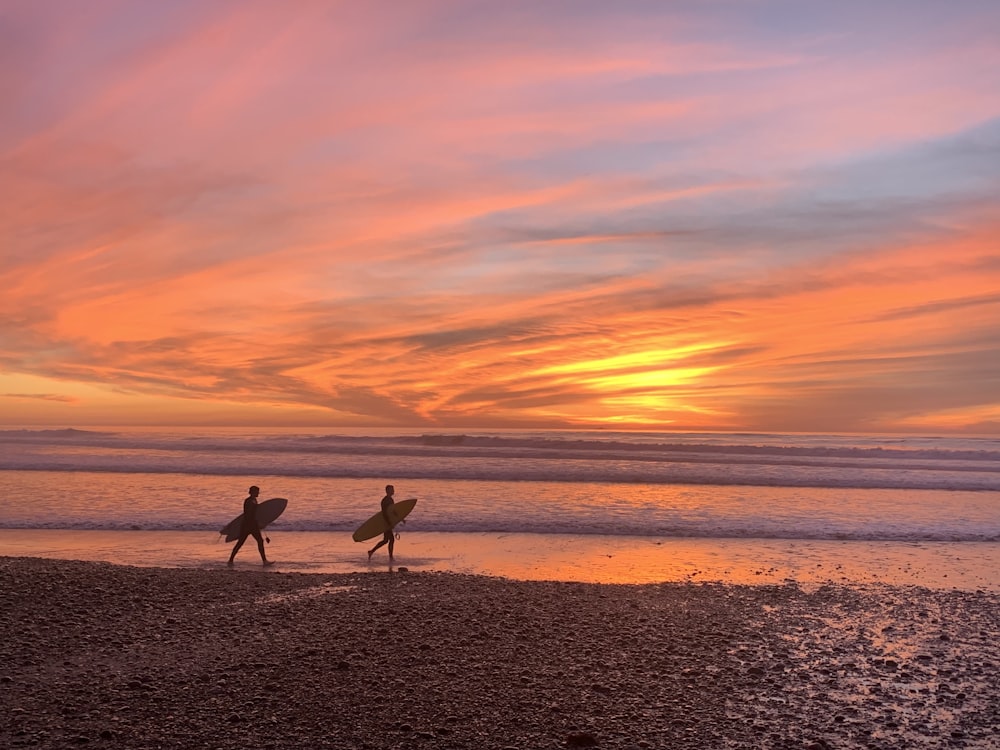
point(250, 526)
point(389, 537)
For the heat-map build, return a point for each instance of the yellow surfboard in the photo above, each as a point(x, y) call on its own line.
point(376, 524)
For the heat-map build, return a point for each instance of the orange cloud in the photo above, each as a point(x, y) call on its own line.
point(656, 216)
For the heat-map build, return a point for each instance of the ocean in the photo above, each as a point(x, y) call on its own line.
point(788, 488)
point(647, 484)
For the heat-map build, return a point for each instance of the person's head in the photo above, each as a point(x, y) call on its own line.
point(254, 491)
point(389, 489)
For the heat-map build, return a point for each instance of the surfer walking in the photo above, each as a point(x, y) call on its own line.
point(250, 527)
point(389, 537)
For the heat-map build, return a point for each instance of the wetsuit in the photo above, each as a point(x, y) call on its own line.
point(250, 527)
point(389, 537)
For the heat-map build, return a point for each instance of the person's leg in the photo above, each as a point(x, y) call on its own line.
point(260, 545)
point(385, 540)
point(243, 538)
point(392, 543)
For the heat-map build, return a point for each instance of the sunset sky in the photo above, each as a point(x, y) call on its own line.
point(732, 215)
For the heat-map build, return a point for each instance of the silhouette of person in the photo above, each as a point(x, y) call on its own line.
point(250, 527)
point(389, 537)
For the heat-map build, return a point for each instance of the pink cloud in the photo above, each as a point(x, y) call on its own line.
point(430, 215)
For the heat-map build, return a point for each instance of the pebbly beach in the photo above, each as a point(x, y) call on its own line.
point(101, 655)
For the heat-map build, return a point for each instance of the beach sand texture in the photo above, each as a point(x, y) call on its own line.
point(98, 655)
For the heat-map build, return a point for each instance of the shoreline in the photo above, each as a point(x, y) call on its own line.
point(102, 655)
point(965, 566)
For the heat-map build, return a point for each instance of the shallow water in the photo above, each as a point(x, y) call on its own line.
point(588, 506)
point(97, 500)
point(968, 566)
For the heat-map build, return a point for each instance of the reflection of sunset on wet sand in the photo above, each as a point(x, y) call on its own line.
point(761, 216)
point(555, 557)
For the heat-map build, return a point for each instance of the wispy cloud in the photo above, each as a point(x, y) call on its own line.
point(40, 397)
point(772, 215)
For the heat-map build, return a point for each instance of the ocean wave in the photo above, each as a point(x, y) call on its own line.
point(639, 446)
point(645, 458)
point(679, 474)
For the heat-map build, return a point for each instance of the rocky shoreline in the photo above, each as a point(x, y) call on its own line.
point(97, 655)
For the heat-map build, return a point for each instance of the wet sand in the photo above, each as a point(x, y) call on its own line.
point(99, 655)
point(968, 566)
